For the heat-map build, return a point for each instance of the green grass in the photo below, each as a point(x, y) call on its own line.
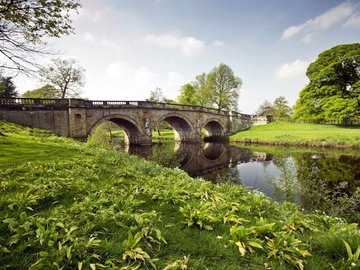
point(165, 135)
point(98, 209)
point(283, 133)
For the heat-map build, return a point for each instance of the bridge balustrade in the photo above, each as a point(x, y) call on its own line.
point(39, 102)
point(34, 101)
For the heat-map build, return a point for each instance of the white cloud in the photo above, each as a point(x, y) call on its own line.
point(189, 46)
point(89, 37)
point(307, 39)
point(291, 70)
point(137, 82)
point(340, 14)
point(217, 44)
point(102, 42)
point(353, 21)
point(291, 31)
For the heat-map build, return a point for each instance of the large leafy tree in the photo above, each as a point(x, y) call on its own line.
point(46, 91)
point(65, 75)
point(218, 89)
point(225, 87)
point(7, 87)
point(333, 92)
point(24, 24)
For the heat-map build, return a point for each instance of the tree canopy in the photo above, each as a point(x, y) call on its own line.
point(333, 92)
point(7, 87)
point(187, 95)
point(156, 95)
point(46, 91)
point(225, 87)
point(24, 23)
point(218, 89)
point(65, 75)
point(265, 109)
point(279, 109)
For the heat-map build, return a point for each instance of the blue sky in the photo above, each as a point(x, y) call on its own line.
point(130, 47)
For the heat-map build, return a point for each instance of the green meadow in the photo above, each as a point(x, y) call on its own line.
point(301, 134)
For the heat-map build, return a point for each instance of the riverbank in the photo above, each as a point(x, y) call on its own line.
point(298, 134)
point(65, 204)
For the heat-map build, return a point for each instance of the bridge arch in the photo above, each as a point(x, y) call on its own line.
point(213, 127)
point(131, 129)
point(213, 152)
point(183, 129)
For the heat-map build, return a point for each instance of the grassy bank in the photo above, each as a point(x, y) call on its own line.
point(68, 205)
point(283, 133)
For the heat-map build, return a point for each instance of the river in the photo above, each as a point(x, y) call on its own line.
point(323, 180)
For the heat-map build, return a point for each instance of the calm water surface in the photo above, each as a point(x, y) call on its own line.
point(304, 176)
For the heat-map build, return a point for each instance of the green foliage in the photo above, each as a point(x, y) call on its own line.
point(46, 91)
point(99, 209)
point(334, 87)
point(24, 24)
point(225, 87)
point(281, 108)
point(218, 89)
point(100, 136)
point(188, 95)
point(7, 87)
point(39, 18)
point(199, 215)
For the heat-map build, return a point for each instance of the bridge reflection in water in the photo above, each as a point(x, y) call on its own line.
point(200, 160)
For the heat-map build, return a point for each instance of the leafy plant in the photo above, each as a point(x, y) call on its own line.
point(245, 239)
point(285, 247)
point(201, 215)
point(178, 264)
point(352, 257)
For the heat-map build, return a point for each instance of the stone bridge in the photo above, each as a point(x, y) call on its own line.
point(76, 118)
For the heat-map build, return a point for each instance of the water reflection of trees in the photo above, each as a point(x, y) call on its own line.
point(329, 184)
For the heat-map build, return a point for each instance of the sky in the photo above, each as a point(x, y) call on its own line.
point(130, 47)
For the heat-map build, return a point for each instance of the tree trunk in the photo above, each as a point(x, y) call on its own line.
point(345, 121)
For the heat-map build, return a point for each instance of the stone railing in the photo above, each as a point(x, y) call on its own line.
point(64, 103)
point(33, 102)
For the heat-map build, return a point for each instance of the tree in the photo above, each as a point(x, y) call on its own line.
point(333, 92)
point(46, 91)
point(7, 88)
point(225, 87)
point(23, 25)
point(265, 109)
point(203, 90)
point(281, 108)
point(156, 95)
point(187, 95)
point(65, 75)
